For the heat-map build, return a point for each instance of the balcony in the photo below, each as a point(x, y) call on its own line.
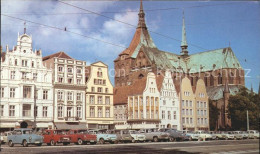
point(72, 119)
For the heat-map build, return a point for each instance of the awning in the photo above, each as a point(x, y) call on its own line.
point(67, 126)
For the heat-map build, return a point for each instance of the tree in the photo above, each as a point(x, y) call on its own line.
point(238, 106)
point(213, 115)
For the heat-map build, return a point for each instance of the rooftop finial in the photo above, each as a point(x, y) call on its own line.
point(141, 14)
point(24, 27)
point(184, 45)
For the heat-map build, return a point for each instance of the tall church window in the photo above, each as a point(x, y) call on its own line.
point(140, 76)
point(206, 81)
point(191, 80)
point(197, 78)
point(219, 78)
point(211, 80)
point(231, 78)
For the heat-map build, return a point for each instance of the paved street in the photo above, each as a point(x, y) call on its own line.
point(230, 146)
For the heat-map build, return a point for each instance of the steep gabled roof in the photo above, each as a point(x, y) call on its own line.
point(159, 81)
point(216, 93)
point(60, 54)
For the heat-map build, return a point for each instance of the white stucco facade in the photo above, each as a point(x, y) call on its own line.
point(169, 104)
point(26, 84)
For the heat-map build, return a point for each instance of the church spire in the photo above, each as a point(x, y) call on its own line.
point(141, 14)
point(184, 45)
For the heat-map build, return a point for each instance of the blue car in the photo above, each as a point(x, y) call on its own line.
point(104, 136)
point(24, 136)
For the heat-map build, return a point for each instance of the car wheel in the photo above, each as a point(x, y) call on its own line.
point(52, 143)
point(10, 143)
point(133, 140)
point(80, 142)
point(25, 144)
point(171, 139)
point(155, 139)
point(101, 141)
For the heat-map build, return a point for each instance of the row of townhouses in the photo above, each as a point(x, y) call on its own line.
point(152, 88)
point(55, 91)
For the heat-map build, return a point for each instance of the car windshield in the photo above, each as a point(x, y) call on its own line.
point(27, 132)
point(133, 132)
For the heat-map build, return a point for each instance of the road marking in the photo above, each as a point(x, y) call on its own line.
point(203, 146)
point(238, 152)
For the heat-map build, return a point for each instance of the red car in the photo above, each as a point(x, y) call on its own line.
point(82, 137)
point(52, 137)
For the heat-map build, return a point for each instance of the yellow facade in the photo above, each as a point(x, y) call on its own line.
point(99, 97)
point(202, 106)
point(187, 105)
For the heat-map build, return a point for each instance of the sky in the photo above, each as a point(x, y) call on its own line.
point(209, 25)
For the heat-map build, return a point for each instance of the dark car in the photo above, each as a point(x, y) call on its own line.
point(174, 134)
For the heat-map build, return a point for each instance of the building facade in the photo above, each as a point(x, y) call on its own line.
point(69, 91)
point(214, 67)
point(143, 103)
point(169, 102)
point(202, 106)
point(26, 88)
point(99, 97)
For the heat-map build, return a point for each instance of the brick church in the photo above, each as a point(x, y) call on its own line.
point(219, 68)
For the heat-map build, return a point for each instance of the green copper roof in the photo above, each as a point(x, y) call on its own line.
point(200, 62)
point(216, 93)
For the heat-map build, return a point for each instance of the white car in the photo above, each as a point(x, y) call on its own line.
point(204, 135)
point(253, 134)
point(238, 135)
point(4, 137)
point(137, 136)
point(229, 135)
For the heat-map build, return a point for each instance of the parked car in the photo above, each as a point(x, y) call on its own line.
point(154, 135)
point(237, 135)
point(105, 136)
point(203, 135)
point(187, 135)
point(82, 137)
point(213, 134)
point(228, 135)
point(220, 135)
point(52, 137)
point(174, 134)
point(193, 135)
point(137, 137)
point(24, 136)
point(244, 134)
point(124, 136)
point(4, 137)
point(253, 134)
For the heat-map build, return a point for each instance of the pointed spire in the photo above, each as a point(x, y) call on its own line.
point(252, 91)
point(226, 88)
point(141, 14)
point(24, 28)
point(184, 45)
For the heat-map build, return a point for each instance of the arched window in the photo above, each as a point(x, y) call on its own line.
point(211, 80)
point(219, 78)
point(231, 78)
point(206, 81)
point(191, 81)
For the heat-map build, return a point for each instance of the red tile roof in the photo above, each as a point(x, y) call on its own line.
point(60, 54)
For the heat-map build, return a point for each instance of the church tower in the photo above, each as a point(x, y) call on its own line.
point(184, 45)
point(125, 61)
